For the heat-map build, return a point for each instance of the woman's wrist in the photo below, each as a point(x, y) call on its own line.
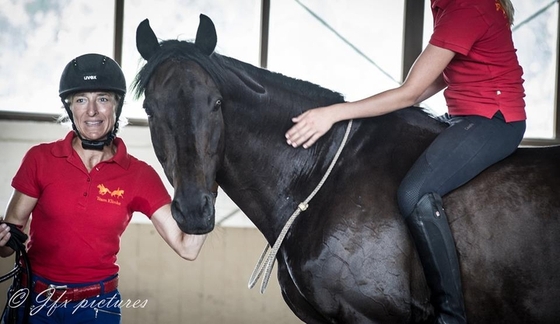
point(338, 112)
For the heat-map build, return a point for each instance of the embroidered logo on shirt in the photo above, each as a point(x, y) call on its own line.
point(113, 195)
point(103, 190)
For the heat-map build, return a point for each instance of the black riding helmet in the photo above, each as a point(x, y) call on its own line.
point(93, 72)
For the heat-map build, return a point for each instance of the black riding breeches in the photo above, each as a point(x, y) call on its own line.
point(468, 146)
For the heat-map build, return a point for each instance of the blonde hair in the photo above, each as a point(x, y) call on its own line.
point(507, 7)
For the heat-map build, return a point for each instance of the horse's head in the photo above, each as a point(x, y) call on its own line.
point(183, 105)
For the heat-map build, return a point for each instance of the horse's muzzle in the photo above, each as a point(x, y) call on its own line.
point(194, 215)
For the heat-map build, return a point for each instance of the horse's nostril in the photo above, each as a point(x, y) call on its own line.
point(208, 206)
point(209, 200)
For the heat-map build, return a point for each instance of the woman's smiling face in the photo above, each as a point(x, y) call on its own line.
point(94, 113)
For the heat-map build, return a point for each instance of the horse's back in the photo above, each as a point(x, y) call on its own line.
point(506, 223)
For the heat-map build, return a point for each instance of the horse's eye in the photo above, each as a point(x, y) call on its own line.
point(218, 104)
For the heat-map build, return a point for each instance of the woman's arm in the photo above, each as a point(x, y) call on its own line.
point(18, 211)
point(424, 80)
point(186, 245)
point(438, 85)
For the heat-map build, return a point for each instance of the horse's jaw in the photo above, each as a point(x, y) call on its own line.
point(194, 216)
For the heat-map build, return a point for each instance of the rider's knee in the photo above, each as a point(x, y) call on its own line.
point(406, 200)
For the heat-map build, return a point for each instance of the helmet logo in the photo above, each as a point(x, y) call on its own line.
point(90, 77)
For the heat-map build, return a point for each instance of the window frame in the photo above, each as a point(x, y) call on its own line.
point(412, 46)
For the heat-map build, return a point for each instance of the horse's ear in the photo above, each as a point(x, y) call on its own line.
point(206, 38)
point(146, 40)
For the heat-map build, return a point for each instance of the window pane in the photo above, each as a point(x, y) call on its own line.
point(237, 26)
point(347, 46)
point(37, 40)
point(534, 35)
point(535, 40)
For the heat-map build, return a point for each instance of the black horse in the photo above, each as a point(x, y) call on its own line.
point(348, 258)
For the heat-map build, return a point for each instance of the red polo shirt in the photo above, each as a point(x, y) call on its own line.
point(484, 76)
point(79, 217)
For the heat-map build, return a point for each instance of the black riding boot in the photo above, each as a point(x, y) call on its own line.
point(432, 236)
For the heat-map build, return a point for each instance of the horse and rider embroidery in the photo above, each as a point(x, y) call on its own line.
point(103, 191)
point(114, 193)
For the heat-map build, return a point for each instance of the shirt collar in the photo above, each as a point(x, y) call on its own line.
point(440, 3)
point(63, 149)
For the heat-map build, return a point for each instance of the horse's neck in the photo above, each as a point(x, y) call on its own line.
point(262, 174)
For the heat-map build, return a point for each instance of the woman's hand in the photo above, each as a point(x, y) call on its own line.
point(4, 234)
point(310, 126)
point(5, 251)
point(17, 213)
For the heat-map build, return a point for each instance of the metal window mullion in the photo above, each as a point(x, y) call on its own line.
point(557, 97)
point(413, 33)
point(118, 31)
point(265, 23)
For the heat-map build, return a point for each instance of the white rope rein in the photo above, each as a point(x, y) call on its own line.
point(270, 257)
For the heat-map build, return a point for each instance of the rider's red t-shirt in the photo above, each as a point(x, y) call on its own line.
point(79, 217)
point(484, 76)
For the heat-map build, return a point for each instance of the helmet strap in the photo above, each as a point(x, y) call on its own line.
point(94, 145)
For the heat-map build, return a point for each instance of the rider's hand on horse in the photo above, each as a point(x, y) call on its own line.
point(310, 126)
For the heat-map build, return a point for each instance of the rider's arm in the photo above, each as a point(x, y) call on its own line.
point(436, 86)
point(424, 80)
point(18, 212)
point(186, 245)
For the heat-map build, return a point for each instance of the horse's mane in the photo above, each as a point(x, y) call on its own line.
point(215, 64)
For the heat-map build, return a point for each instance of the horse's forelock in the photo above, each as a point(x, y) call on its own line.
point(171, 49)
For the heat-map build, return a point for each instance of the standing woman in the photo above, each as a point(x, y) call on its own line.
point(81, 192)
point(471, 55)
